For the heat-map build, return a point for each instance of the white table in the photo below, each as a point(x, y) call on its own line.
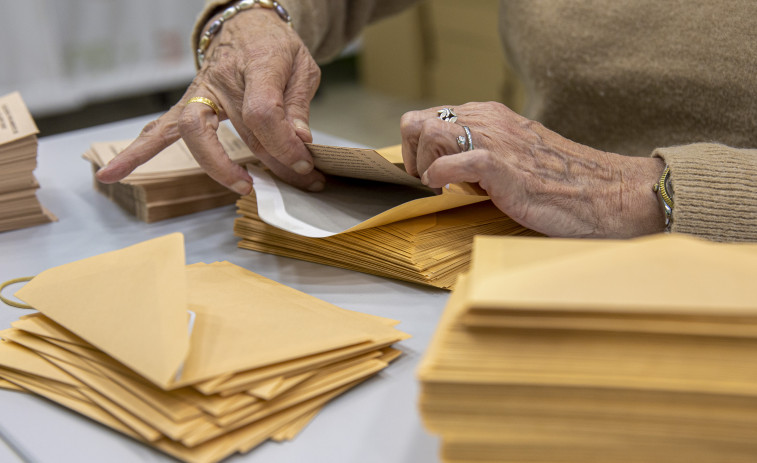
point(376, 422)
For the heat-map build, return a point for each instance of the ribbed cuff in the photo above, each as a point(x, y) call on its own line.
point(715, 190)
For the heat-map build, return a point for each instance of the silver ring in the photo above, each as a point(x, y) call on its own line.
point(461, 141)
point(447, 115)
point(469, 146)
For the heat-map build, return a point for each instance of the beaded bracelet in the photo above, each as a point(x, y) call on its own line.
point(229, 13)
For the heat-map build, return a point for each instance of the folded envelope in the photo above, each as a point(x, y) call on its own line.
point(130, 303)
point(177, 325)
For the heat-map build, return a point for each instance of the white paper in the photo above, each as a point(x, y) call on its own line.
point(342, 205)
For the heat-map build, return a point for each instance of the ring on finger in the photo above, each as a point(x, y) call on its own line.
point(465, 142)
point(461, 142)
point(469, 137)
point(447, 115)
point(206, 102)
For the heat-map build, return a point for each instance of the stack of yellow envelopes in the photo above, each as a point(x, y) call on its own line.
point(199, 361)
point(172, 183)
point(432, 249)
point(19, 206)
point(415, 235)
point(580, 351)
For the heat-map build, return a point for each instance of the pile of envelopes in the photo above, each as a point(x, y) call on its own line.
point(200, 361)
point(582, 351)
point(172, 183)
point(373, 218)
point(19, 206)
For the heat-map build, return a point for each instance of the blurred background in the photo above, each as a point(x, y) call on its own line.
point(79, 63)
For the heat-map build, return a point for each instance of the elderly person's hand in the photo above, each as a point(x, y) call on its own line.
point(540, 179)
point(262, 78)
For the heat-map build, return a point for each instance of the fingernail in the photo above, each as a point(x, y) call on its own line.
point(300, 124)
point(446, 186)
point(424, 178)
point(316, 186)
point(242, 187)
point(302, 167)
point(104, 168)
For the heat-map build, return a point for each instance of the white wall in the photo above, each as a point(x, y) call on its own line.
point(61, 54)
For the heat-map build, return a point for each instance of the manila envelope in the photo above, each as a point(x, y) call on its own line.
point(176, 325)
point(667, 275)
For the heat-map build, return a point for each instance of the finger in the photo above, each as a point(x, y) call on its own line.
point(419, 147)
point(306, 76)
point(312, 181)
point(154, 138)
point(263, 113)
point(197, 125)
point(410, 128)
point(470, 166)
point(437, 139)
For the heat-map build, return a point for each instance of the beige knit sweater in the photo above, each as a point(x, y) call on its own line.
point(675, 79)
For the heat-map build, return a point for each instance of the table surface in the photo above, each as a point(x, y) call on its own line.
point(378, 421)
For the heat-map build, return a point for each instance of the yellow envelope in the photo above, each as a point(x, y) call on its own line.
point(130, 303)
point(135, 305)
point(662, 274)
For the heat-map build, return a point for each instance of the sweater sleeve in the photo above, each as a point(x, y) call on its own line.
point(715, 188)
point(325, 26)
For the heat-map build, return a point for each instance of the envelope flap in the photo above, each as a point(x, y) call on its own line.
point(664, 274)
point(130, 303)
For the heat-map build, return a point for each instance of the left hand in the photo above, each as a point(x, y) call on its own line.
point(538, 178)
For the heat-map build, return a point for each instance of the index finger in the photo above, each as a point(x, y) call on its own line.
point(263, 112)
point(154, 138)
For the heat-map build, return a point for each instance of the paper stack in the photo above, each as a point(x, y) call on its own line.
point(584, 351)
point(199, 361)
point(19, 207)
point(172, 183)
point(373, 217)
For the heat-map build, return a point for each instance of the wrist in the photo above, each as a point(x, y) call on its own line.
point(640, 211)
point(227, 13)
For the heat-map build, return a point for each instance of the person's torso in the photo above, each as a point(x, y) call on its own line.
point(630, 75)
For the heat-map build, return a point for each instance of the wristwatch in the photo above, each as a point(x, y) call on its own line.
point(664, 190)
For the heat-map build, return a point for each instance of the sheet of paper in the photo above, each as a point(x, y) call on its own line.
point(15, 120)
point(359, 163)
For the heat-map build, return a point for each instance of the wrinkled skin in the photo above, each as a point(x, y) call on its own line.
point(540, 179)
point(261, 75)
point(263, 78)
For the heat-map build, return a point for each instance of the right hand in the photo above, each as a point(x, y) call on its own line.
point(262, 77)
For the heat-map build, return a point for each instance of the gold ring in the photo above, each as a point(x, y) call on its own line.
point(205, 101)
